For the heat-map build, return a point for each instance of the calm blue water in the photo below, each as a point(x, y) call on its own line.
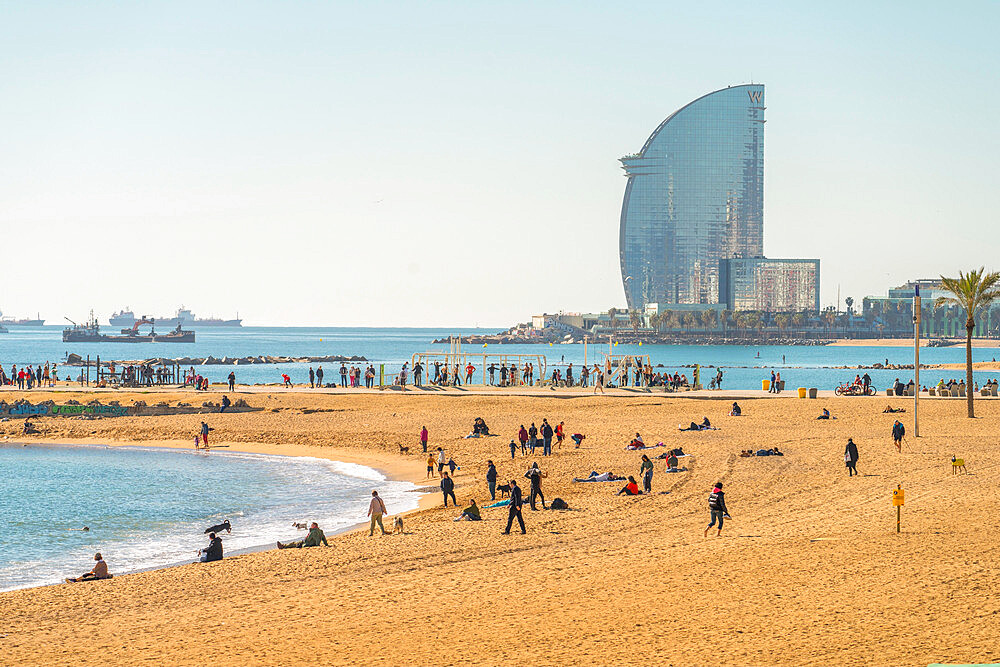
point(802, 366)
point(149, 507)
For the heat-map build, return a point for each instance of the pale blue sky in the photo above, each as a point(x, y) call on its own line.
point(445, 163)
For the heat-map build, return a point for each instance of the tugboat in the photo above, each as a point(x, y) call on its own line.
point(91, 333)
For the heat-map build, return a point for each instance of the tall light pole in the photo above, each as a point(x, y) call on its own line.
point(916, 361)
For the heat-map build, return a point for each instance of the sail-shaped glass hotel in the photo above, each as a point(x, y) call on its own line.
point(694, 197)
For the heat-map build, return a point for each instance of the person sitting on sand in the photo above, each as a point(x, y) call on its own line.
point(479, 427)
point(213, 551)
point(630, 489)
point(671, 463)
point(825, 415)
point(637, 442)
point(100, 571)
point(225, 403)
point(736, 411)
point(313, 539)
point(470, 513)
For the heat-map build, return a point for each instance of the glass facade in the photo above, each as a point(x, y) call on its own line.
point(770, 285)
point(695, 196)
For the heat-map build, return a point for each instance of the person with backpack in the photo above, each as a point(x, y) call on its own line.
point(851, 458)
point(898, 431)
point(717, 507)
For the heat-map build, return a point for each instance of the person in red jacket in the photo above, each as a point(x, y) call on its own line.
point(630, 489)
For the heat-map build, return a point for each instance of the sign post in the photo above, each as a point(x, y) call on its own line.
point(897, 501)
point(916, 361)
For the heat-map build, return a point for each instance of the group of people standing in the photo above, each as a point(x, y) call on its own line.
point(532, 437)
point(30, 377)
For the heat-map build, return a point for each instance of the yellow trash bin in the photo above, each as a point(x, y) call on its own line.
point(802, 392)
point(765, 384)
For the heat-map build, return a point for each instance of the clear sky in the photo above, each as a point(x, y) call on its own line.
point(438, 163)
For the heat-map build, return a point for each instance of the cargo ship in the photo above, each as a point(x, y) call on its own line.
point(6, 320)
point(183, 318)
point(90, 332)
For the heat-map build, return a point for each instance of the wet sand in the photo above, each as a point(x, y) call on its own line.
point(808, 571)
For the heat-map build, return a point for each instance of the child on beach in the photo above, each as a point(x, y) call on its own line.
point(717, 507)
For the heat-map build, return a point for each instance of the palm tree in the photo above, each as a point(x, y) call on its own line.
point(970, 291)
point(613, 314)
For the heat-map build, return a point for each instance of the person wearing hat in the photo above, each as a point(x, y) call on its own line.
point(100, 571)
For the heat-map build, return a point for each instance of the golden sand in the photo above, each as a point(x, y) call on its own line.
point(808, 571)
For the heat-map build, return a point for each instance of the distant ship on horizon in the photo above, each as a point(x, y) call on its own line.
point(24, 322)
point(183, 318)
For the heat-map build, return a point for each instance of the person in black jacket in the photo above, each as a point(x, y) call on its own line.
point(213, 551)
point(514, 508)
point(534, 475)
point(448, 489)
point(546, 438)
point(491, 479)
point(851, 458)
point(898, 431)
point(717, 506)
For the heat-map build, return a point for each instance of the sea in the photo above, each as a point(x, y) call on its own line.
point(149, 507)
point(743, 366)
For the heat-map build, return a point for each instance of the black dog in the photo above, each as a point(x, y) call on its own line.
point(504, 490)
point(224, 526)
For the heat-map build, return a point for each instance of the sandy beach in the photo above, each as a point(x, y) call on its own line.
point(808, 571)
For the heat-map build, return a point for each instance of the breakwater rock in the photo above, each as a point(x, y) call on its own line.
point(77, 360)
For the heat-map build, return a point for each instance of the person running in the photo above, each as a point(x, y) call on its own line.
point(491, 479)
point(851, 458)
point(646, 472)
point(534, 476)
point(430, 467)
point(514, 508)
point(717, 506)
point(315, 538)
point(376, 508)
point(898, 431)
point(423, 438)
point(100, 571)
point(448, 489)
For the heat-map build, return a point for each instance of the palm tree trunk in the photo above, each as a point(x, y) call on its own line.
point(970, 324)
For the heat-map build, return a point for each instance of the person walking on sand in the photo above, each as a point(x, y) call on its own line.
point(851, 458)
point(441, 460)
point(598, 379)
point(448, 489)
point(646, 472)
point(430, 466)
point(898, 431)
point(717, 506)
point(491, 479)
point(376, 508)
point(423, 438)
point(514, 508)
point(522, 436)
point(204, 434)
